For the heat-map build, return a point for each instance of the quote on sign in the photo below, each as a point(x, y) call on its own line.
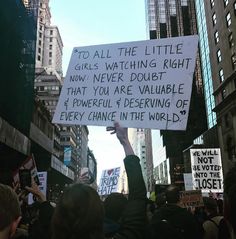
point(207, 170)
point(109, 181)
point(140, 84)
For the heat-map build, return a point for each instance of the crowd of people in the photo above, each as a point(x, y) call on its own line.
point(81, 214)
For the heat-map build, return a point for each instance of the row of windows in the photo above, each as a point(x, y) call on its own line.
point(50, 102)
point(233, 62)
point(213, 3)
point(44, 88)
point(230, 39)
point(227, 18)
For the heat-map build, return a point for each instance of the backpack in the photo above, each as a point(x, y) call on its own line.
point(166, 230)
point(222, 227)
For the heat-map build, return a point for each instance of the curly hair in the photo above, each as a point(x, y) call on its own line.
point(79, 214)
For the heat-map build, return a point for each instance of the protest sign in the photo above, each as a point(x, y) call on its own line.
point(192, 198)
point(142, 84)
point(207, 170)
point(29, 164)
point(188, 181)
point(109, 181)
point(42, 176)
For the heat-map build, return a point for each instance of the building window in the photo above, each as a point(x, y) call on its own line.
point(219, 58)
point(216, 35)
point(228, 19)
point(223, 94)
point(50, 54)
point(233, 59)
point(51, 32)
point(39, 58)
point(50, 62)
point(41, 19)
point(50, 39)
point(212, 3)
point(40, 34)
point(221, 75)
point(50, 47)
point(227, 120)
point(231, 40)
point(226, 2)
point(214, 19)
point(40, 27)
point(39, 50)
point(40, 42)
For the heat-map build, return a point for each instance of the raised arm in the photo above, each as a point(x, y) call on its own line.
point(122, 135)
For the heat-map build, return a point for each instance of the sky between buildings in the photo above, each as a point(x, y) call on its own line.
point(94, 22)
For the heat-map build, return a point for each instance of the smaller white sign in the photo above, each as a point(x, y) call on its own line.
point(207, 170)
point(109, 181)
point(42, 186)
point(188, 181)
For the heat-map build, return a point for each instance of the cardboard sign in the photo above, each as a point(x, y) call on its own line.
point(188, 181)
point(207, 170)
point(191, 198)
point(143, 84)
point(109, 181)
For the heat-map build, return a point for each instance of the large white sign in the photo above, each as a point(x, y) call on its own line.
point(143, 84)
point(207, 170)
point(109, 181)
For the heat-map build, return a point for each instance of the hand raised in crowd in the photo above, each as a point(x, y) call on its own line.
point(122, 135)
point(34, 189)
point(21, 194)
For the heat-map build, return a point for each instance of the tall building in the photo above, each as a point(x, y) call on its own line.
point(141, 142)
point(205, 62)
point(220, 22)
point(18, 36)
point(172, 18)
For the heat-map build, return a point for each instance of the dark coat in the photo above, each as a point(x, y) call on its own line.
point(132, 223)
point(174, 222)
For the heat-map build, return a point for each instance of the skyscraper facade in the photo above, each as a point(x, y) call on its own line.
point(221, 28)
point(177, 18)
point(205, 62)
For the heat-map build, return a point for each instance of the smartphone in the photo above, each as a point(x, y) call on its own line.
point(25, 178)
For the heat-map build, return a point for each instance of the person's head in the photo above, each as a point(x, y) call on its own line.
point(230, 197)
point(114, 206)
point(160, 199)
point(10, 212)
point(172, 194)
point(210, 205)
point(78, 214)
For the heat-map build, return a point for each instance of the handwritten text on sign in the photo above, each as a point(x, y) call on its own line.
point(109, 181)
point(140, 84)
point(207, 170)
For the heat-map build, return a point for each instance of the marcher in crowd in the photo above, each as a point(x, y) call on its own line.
point(79, 213)
point(10, 213)
point(172, 221)
point(215, 226)
point(230, 200)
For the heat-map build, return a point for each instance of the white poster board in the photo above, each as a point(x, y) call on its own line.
point(207, 170)
point(42, 176)
point(188, 181)
point(109, 181)
point(142, 84)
